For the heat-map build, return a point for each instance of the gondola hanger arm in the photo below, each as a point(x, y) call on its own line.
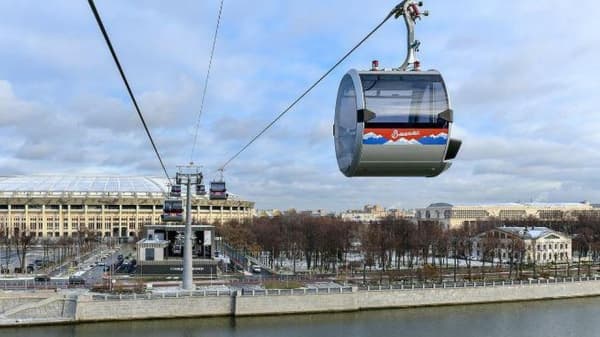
point(410, 11)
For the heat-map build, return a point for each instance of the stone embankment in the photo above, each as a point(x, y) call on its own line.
point(26, 308)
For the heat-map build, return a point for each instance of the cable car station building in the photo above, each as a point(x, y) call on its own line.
point(161, 252)
point(104, 206)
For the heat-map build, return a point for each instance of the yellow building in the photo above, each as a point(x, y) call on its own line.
point(455, 215)
point(108, 206)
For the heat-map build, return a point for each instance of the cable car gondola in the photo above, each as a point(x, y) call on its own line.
point(218, 190)
point(200, 189)
point(175, 191)
point(394, 122)
point(172, 211)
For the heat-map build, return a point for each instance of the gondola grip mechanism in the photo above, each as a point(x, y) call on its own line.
point(410, 11)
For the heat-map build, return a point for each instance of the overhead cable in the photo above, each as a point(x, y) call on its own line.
point(210, 60)
point(135, 104)
point(286, 110)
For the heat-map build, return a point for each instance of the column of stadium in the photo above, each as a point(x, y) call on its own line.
point(105, 206)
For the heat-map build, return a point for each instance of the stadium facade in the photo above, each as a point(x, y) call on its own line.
point(106, 206)
point(454, 215)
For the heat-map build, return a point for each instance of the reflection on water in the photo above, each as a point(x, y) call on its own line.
point(576, 317)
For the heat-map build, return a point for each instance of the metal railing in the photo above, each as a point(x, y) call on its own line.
point(298, 291)
point(213, 293)
point(28, 284)
point(155, 296)
point(415, 286)
point(475, 284)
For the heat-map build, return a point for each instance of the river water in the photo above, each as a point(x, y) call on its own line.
point(574, 317)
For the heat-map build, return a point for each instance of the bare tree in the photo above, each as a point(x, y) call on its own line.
point(516, 250)
point(238, 234)
point(403, 231)
point(7, 243)
point(465, 238)
point(377, 242)
point(489, 247)
point(23, 241)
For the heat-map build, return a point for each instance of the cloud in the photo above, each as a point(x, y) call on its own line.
point(522, 88)
point(13, 110)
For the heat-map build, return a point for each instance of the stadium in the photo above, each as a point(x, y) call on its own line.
point(103, 206)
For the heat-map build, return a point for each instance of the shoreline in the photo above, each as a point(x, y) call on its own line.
point(49, 308)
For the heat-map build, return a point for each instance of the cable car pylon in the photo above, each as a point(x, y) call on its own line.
point(188, 175)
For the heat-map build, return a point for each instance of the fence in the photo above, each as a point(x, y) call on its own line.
point(300, 291)
point(237, 256)
point(337, 290)
point(22, 284)
point(474, 284)
point(155, 296)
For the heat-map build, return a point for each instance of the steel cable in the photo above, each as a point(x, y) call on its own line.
point(342, 59)
point(116, 59)
point(210, 60)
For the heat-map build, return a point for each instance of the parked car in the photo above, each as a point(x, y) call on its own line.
point(256, 269)
point(77, 278)
point(42, 278)
point(74, 280)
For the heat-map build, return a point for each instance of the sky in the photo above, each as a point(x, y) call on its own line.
point(523, 83)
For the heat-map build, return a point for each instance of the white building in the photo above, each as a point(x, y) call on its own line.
point(454, 215)
point(371, 213)
point(539, 245)
point(152, 250)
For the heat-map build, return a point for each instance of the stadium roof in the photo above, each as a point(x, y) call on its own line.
point(102, 184)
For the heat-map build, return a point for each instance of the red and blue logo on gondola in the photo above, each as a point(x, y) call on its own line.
point(376, 136)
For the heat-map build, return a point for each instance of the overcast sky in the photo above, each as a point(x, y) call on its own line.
point(523, 79)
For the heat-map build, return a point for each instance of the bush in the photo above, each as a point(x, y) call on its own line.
point(282, 284)
point(427, 272)
point(544, 274)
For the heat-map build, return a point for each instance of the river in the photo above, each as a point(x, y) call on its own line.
point(573, 317)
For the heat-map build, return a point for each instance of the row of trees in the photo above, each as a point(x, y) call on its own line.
point(21, 242)
point(322, 242)
point(326, 243)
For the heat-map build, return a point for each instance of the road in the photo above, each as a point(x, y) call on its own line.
point(96, 265)
point(92, 267)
